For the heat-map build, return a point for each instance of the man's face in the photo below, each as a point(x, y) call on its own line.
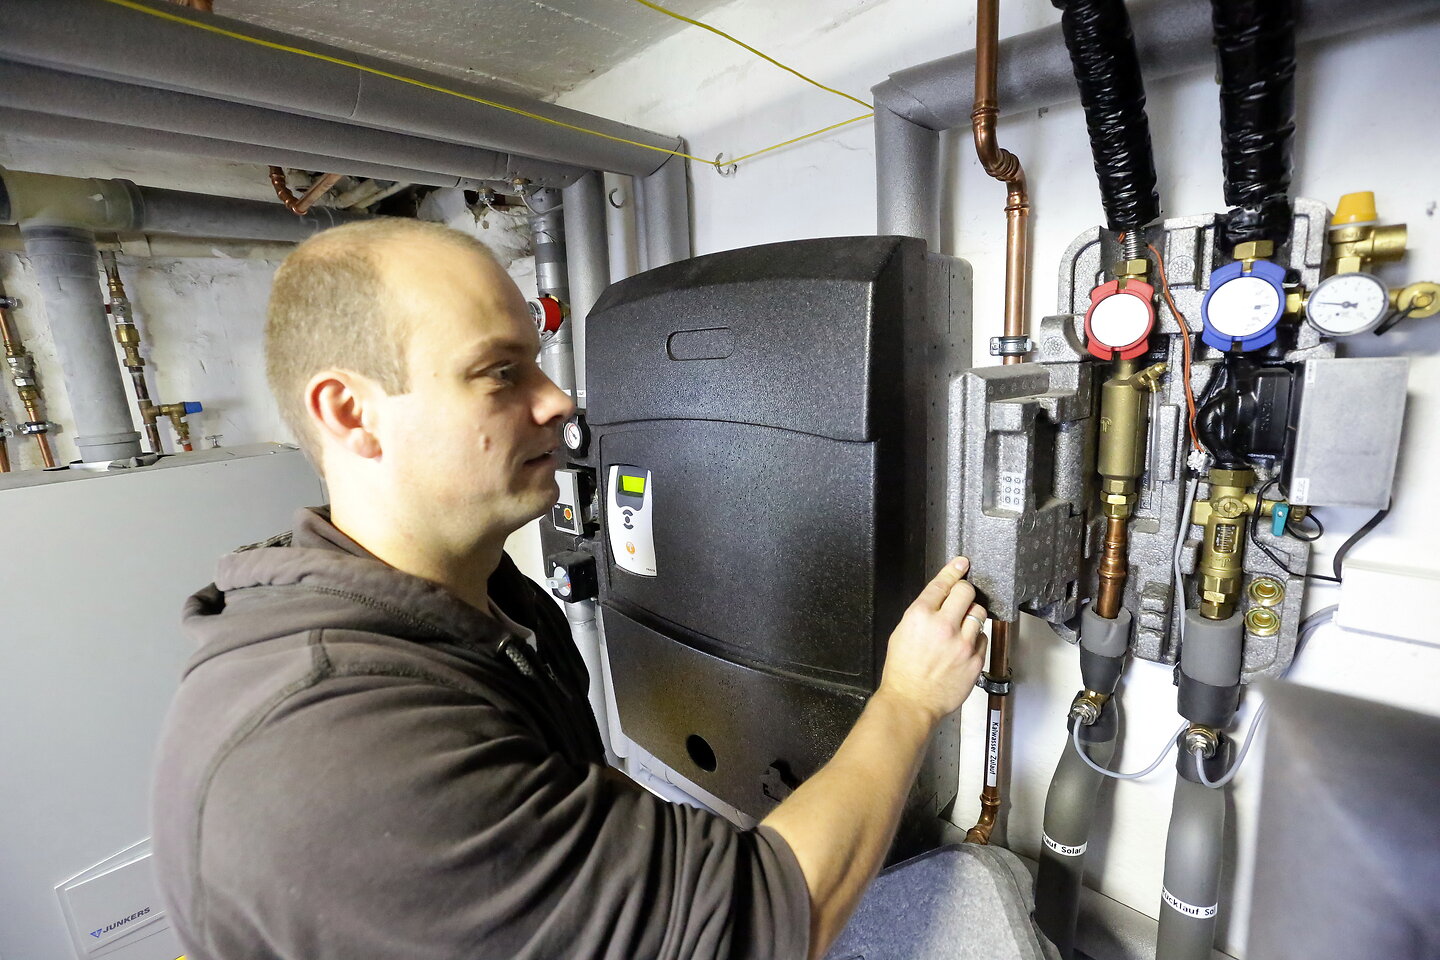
point(472, 444)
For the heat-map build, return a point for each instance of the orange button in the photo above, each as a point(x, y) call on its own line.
point(568, 514)
point(630, 547)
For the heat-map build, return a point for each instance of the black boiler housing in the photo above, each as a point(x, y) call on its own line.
point(789, 401)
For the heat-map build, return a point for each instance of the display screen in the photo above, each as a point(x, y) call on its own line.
point(634, 485)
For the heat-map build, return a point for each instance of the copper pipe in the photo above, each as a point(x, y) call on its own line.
point(1002, 165)
point(301, 205)
point(204, 6)
point(1114, 568)
point(997, 726)
point(4, 456)
point(30, 395)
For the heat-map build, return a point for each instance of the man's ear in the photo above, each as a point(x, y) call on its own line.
point(345, 411)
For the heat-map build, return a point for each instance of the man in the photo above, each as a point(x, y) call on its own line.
point(382, 748)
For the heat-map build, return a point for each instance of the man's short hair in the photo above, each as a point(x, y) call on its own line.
point(330, 309)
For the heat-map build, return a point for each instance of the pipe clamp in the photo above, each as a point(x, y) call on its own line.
point(1011, 346)
point(992, 686)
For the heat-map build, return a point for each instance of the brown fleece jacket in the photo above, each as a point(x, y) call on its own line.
point(359, 765)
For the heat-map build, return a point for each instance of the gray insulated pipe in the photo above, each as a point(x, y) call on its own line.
point(1190, 897)
point(1074, 790)
point(547, 228)
point(67, 269)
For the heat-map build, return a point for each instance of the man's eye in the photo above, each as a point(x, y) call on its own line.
point(506, 374)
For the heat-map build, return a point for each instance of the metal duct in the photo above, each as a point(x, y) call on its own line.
point(66, 266)
point(1107, 73)
point(101, 39)
point(665, 202)
point(1255, 46)
point(1172, 37)
point(185, 123)
point(588, 256)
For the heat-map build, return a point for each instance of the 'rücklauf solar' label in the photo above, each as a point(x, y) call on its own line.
point(1188, 909)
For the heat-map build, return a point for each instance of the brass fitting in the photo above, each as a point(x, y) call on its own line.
point(1201, 739)
point(1138, 269)
point(1224, 516)
point(1418, 300)
point(176, 413)
point(128, 336)
point(1124, 422)
point(1266, 592)
point(1250, 251)
point(1262, 622)
point(1087, 706)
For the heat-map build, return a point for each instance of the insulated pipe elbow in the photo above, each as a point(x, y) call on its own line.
point(41, 199)
point(1107, 71)
point(1190, 896)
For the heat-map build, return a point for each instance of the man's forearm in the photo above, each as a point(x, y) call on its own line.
point(840, 822)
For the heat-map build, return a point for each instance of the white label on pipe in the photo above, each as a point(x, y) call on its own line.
point(992, 750)
point(1189, 909)
point(1065, 850)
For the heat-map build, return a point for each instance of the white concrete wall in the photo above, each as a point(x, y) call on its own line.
point(1363, 101)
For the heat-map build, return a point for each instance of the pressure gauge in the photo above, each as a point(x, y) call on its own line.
point(1242, 309)
point(576, 435)
point(1119, 321)
point(1347, 304)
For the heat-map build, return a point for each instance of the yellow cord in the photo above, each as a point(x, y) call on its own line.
point(721, 33)
point(435, 88)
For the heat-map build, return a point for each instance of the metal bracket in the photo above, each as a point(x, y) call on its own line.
point(32, 428)
point(1011, 346)
point(9, 303)
point(998, 688)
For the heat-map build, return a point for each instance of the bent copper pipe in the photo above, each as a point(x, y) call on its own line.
point(300, 205)
point(1004, 166)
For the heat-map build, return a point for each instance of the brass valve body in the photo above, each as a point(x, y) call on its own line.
point(1124, 422)
point(1224, 516)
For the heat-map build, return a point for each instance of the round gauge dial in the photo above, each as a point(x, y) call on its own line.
point(1347, 304)
point(1119, 320)
point(1243, 307)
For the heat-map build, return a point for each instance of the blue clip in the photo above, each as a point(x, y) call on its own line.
point(1279, 518)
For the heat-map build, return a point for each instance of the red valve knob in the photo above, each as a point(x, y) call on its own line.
point(548, 314)
point(1119, 321)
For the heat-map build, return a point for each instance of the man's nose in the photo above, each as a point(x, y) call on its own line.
point(554, 403)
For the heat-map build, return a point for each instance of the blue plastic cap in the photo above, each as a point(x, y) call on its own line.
point(192, 407)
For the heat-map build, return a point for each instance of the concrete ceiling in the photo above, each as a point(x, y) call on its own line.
point(522, 46)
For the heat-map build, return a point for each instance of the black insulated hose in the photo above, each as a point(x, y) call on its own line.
point(1255, 46)
point(1107, 71)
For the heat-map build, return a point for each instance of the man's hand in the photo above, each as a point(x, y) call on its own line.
point(937, 650)
point(840, 822)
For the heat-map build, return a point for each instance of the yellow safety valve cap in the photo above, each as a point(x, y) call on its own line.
point(1354, 209)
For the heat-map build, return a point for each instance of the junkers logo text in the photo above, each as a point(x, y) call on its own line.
point(112, 927)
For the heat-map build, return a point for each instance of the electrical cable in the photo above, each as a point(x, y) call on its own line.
point(1265, 549)
point(1355, 538)
point(1184, 343)
point(1169, 745)
point(740, 43)
point(1186, 511)
point(1298, 533)
point(1229, 775)
point(436, 88)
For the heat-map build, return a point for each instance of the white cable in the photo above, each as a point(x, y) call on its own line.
point(1169, 745)
point(1239, 757)
point(1187, 508)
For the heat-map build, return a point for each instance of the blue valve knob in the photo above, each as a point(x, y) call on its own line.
point(191, 407)
point(1279, 518)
